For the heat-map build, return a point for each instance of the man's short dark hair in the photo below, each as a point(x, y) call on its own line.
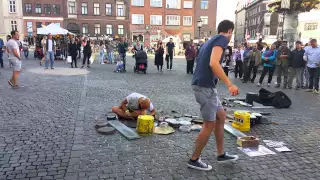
point(313, 40)
point(298, 42)
point(225, 25)
point(13, 32)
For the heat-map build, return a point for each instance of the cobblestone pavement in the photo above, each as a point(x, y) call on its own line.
point(47, 129)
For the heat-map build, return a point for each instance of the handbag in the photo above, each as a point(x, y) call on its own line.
point(91, 60)
point(69, 59)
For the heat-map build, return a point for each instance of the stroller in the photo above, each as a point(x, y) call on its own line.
point(141, 62)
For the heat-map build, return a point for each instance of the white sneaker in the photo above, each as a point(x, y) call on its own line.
point(269, 84)
point(102, 63)
point(258, 85)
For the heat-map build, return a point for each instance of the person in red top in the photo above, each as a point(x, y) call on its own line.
point(191, 54)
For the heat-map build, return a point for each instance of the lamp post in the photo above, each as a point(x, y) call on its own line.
point(199, 24)
point(285, 6)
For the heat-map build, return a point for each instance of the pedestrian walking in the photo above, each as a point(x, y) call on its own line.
point(204, 87)
point(43, 46)
point(238, 67)
point(122, 50)
point(87, 51)
point(25, 49)
point(1, 52)
point(305, 73)
point(14, 58)
point(254, 62)
point(102, 50)
point(283, 55)
point(50, 52)
point(158, 60)
point(269, 64)
point(296, 65)
point(245, 57)
point(109, 47)
point(169, 52)
point(312, 56)
point(191, 54)
point(73, 52)
point(226, 60)
point(79, 48)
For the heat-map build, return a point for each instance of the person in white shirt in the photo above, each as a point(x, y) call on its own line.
point(14, 58)
point(50, 52)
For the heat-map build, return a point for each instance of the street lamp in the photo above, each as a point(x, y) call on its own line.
point(199, 24)
point(285, 6)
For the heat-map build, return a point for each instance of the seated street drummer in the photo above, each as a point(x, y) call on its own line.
point(134, 105)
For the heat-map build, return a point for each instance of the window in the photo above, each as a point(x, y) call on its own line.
point(137, 2)
point(204, 19)
point(137, 19)
point(84, 28)
point(28, 8)
point(156, 19)
point(108, 29)
point(38, 24)
point(156, 3)
point(72, 7)
point(108, 9)
point(47, 8)
point(187, 20)
point(258, 21)
point(84, 8)
point(12, 6)
point(204, 4)
point(173, 20)
point(187, 4)
point(266, 31)
point(186, 37)
point(280, 18)
point(120, 30)
point(173, 4)
point(310, 26)
point(38, 8)
point(96, 9)
point(56, 8)
point(14, 25)
point(120, 10)
point(97, 28)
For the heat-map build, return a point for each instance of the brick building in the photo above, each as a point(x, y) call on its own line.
point(97, 18)
point(206, 11)
point(38, 13)
point(151, 20)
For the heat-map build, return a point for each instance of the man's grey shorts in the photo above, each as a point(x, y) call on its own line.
point(209, 102)
point(16, 64)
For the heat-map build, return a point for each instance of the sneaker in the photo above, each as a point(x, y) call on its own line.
point(277, 86)
point(258, 85)
point(309, 90)
point(102, 63)
point(82, 67)
point(52, 68)
point(316, 91)
point(88, 67)
point(199, 165)
point(289, 87)
point(269, 84)
point(227, 158)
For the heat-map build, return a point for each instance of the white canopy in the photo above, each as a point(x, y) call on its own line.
point(53, 29)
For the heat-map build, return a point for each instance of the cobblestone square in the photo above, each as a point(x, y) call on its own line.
point(47, 128)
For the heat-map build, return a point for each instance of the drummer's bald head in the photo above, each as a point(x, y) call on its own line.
point(145, 103)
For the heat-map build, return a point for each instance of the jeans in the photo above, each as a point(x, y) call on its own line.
point(226, 70)
point(169, 60)
point(305, 77)
point(79, 54)
point(190, 64)
point(252, 67)
point(74, 60)
point(101, 57)
point(26, 54)
point(314, 74)
point(238, 69)
point(282, 70)
point(245, 67)
point(110, 57)
point(50, 56)
point(265, 71)
point(1, 58)
point(295, 72)
point(86, 57)
point(123, 58)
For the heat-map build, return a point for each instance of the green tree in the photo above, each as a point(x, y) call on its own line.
point(295, 5)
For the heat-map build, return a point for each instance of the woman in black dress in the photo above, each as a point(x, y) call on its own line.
point(159, 50)
point(73, 51)
point(87, 50)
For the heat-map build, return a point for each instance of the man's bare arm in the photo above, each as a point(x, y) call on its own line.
point(216, 67)
point(16, 54)
point(123, 105)
point(153, 112)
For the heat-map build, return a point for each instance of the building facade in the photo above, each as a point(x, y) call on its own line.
point(206, 11)
point(255, 19)
point(240, 17)
point(151, 20)
point(309, 26)
point(97, 19)
point(11, 17)
point(39, 13)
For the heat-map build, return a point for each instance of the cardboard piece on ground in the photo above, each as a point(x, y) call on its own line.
point(260, 151)
point(124, 130)
point(235, 132)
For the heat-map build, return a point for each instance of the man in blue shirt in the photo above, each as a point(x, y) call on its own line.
point(1, 52)
point(208, 70)
point(312, 56)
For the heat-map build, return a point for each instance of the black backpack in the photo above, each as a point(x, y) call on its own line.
point(281, 100)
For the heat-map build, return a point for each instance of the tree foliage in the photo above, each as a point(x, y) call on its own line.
point(295, 5)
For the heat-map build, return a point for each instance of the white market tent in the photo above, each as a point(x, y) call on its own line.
point(53, 29)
